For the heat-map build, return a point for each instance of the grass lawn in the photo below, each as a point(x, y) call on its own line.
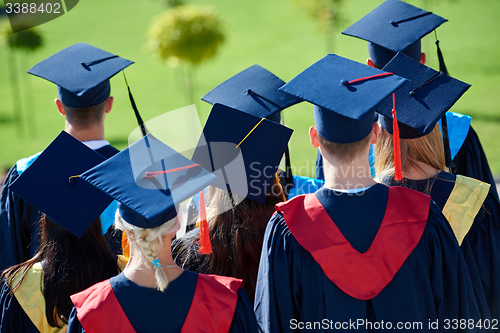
point(274, 34)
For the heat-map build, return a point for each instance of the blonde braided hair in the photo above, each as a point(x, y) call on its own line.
point(149, 241)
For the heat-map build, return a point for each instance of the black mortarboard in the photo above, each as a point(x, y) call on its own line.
point(149, 180)
point(81, 73)
point(345, 95)
point(254, 91)
point(422, 101)
point(392, 27)
point(230, 135)
point(52, 185)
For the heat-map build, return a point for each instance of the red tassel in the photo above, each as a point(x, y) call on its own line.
point(205, 244)
point(398, 170)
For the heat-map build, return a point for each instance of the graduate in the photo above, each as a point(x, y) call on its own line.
point(357, 254)
point(467, 203)
point(152, 294)
point(395, 26)
point(72, 255)
point(81, 73)
point(237, 211)
point(255, 91)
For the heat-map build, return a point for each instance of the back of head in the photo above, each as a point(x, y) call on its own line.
point(237, 227)
point(344, 152)
point(71, 265)
point(85, 117)
point(427, 149)
point(148, 242)
point(238, 233)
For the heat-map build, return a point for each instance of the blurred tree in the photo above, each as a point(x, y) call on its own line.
point(174, 3)
point(27, 41)
point(328, 15)
point(186, 34)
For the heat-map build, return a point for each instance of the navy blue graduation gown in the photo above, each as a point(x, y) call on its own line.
point(149, 310)
point(294, 291)
point(481, 244)
point(471, 161)
point(19, 221)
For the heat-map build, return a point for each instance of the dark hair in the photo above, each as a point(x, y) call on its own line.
point(70, 265)
point(84, 117)
point(344, 152)
point(237, 237)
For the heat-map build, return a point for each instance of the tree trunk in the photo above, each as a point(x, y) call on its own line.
point(16, 93)
point(30, 106)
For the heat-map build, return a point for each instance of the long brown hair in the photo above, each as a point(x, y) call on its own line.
point(427, 149)
point(237, 235)
point(70, 265)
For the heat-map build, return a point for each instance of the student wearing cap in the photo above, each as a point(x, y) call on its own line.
point(152, 294)
point(395, 26)
point(73, 254)
point(255, 91)
point(81, 73)
point(467, 203)
point(356, 251)
point(237, 213)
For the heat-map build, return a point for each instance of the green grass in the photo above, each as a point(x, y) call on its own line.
point(274, 34)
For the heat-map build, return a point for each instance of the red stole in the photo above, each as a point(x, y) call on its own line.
point(98, 310)
point(360, 275)
point(212, 308)
point(213, 305)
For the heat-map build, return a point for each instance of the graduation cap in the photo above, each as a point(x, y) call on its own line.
point(81, 73)
point(149, 180)
point(52, 185)
point(345, 95)
point(243, 149)
point(422, 101)
point(395, 26)
point(254, 91)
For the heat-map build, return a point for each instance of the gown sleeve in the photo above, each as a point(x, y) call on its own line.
point(74, 325)
point(450, 281)
point(481, 248)
point(278, 282)
point(18, 225)
point(12, 316)
point(244, 317)
point(471, 161)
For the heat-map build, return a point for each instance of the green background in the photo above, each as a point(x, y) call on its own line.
point(274, 34)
